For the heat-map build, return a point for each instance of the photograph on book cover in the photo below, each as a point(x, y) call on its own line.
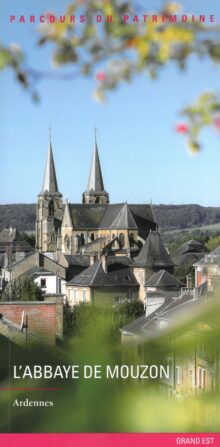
point(110, 217)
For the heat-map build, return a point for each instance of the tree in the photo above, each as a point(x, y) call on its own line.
point(131, 309)
point(22, 289)
point(118, 53)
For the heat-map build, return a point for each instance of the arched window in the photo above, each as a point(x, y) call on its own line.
point(98, 200)
point(122, 240)
point(92, 237)
point(82, 239)
point(131, 240)
point(67, 242)
point(51, 208)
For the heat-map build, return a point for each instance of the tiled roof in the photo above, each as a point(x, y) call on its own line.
point(162, 279)
point(94, 276)
point(169, 309)
point(103, 216)
point(153, 253)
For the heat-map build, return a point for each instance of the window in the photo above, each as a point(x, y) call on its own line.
point(67, 242)
point(82, 240)
point(75, 295)
point(84, 295)
point(201, 377)
point(131, 240)
point(43, 283)
point(92, 237)
point(122, 240)
point(51, 208)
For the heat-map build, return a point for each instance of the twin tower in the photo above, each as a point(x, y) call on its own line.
point(50, 207)
point(93, 225)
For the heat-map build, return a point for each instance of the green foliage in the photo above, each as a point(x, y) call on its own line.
point(181, 272)
point(131, 309)
point(121, 51)
point(22, 289)
point(213, 243)
point(118, 405)
point(67, 319)
point(185, 216)
point(205, 112)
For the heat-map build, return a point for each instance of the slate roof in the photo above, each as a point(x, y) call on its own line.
point(87, 216)
point(189, 253)
point(186, 258)
point(77, 260)
point(36, 271)
point(92, 216)
point(211, 258)
point(124, 219)
point(10, 239)
point(50, 185)
point(153, 253)
point(192, 246)
point(94, 276)
point(169, 309)
point(163, 279)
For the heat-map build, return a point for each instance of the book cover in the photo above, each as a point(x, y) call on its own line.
point(109, 223)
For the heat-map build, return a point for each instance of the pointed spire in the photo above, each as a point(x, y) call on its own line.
point(95, 188)
point(95, 182)
point(67, 219)
point(50, 180)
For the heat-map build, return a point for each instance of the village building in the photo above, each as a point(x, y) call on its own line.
point(161, 286)
point(103, 285)
point(207, 270)
point(152, 258)
point(189, 252)
point(192, 371)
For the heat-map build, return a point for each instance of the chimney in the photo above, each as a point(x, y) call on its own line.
point(189, 281)
point(104, 259)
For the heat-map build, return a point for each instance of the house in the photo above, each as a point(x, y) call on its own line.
point(159, 287)
point(193, 369)
point(189, 253)
point(47, 273)
point(207, 270)
point(102, 284)
point(13, 247)
point(152, 258)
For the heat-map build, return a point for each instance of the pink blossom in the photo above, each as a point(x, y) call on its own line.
point(100, 76)
point(217, 122)
point(182, 128)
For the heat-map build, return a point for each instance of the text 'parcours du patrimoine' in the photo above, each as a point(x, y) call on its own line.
point(91, 371)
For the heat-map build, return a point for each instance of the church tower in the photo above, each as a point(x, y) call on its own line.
point(49, 208)
point(95, 192)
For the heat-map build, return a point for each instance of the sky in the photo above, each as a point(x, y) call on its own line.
point(143, 159)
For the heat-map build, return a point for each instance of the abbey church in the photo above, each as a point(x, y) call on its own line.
point(93, 226)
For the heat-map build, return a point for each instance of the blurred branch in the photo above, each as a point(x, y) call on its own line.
point(116, 52)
